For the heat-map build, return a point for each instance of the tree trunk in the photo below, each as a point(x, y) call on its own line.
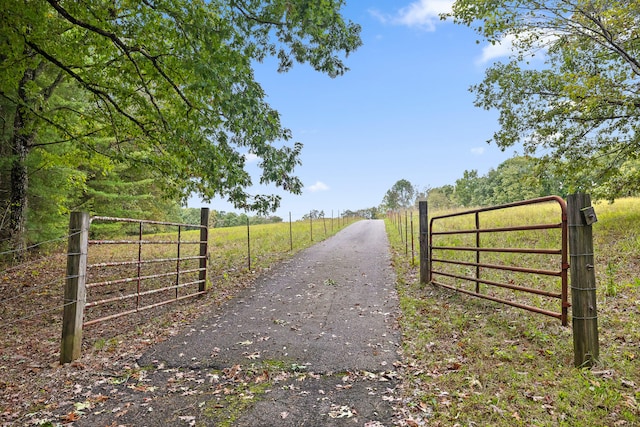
point(18, 201)
point(20, 143)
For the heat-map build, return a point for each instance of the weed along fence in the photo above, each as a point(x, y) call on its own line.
point(147, 271)
point(514, 254)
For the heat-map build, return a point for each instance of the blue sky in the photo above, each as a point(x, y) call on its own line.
point(403, 111)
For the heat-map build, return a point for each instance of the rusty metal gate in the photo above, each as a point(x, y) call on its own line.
point(165, 271)
point(486, 264)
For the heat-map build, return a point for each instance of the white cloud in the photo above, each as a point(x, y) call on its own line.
point(424, 13)
point(379, 16)
point(500, 49)
point(478, 151)
point(250, 157)
point(318, 186)
point(421, 14)
point(505, 46)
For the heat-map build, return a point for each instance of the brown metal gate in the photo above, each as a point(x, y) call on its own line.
point(458, 271)
point(151, 278)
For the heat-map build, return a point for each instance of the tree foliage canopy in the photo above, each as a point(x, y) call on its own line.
point(400, 196)
point(162, 86)
point(581, 109)
point(515, 179)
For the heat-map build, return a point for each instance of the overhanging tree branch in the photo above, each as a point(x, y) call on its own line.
point(122, 45)
point(52, 123)
point(242, 9)
point(610, 41)
point(88, 86)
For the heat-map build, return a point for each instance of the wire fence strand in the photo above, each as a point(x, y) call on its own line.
point(39, 313)
point(32, 289)
point(18, 267)
point(28, 248)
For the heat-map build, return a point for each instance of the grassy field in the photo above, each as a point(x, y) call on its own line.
point(469, 361)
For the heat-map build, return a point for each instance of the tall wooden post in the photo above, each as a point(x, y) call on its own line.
point(583, 280)
point(423, 219)
point(204, 249)
point(75, 293)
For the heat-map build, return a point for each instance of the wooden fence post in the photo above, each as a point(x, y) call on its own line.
point(583, 280)
point(413, 246)
point(248, 245)
point(423, 219)
point(204, 249)
point(74, 290)
point(406, 233)
point(290, 232)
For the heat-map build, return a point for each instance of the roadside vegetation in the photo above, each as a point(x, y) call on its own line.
point(469, 361)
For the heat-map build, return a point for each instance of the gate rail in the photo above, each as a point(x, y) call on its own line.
point(561, 252)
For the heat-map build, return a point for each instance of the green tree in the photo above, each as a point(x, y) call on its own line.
point(581, 108)
point(190, 215)
point(313, 214)
point(169, 85)
point(513, 180)
point(126, 191)
point(400, 196)
point(367, 213)
point(441, 197)
point(470, 189)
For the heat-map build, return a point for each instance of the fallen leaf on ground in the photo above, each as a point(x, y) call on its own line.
point(341, 412)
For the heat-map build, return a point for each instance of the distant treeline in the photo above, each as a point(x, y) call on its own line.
point(515, 179)
point(518, 178)
point(231, 219)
